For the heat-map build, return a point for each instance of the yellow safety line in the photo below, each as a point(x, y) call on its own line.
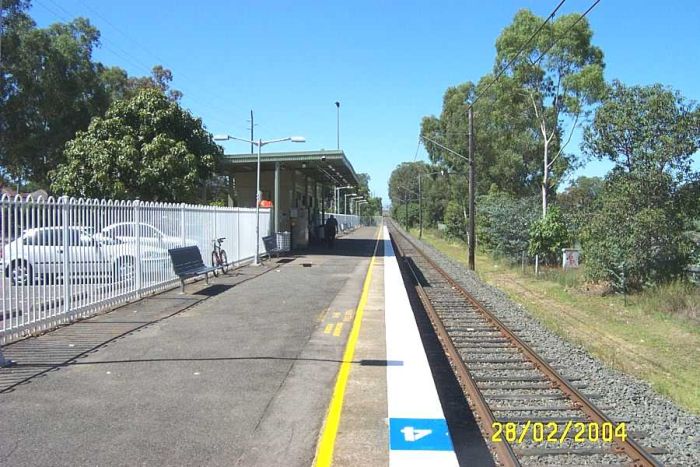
point(324, 450)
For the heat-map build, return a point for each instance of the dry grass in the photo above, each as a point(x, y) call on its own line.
point(655, 337)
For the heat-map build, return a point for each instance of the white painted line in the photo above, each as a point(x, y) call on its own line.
point(418, 433)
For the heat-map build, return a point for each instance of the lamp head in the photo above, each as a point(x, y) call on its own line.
point(297, 139)
point(221, 137)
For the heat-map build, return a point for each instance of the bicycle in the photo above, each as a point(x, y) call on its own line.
point(218, 257)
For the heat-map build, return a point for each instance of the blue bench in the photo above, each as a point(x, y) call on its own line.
point(187, 262)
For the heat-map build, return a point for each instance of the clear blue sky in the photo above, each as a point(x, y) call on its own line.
point(387, 62)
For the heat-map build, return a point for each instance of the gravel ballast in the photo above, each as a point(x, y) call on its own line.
point(666, 425)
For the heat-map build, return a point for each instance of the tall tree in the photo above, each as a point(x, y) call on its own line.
point(50, 89)
point(651, 195)
point(403, 182)
point(160, 79)
point(560, 73)
point(145, 147)
point(120, 85)
point(645, 128)
point(507, 152)
point(374, 204)
point(578, 202)
point(637, 230)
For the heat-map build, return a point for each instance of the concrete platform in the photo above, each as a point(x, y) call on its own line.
point(285, 364)
point(406, 408)
point(237, 373)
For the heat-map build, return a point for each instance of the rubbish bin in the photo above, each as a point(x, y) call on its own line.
point(284, 242)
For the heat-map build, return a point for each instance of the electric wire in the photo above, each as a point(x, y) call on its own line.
point(569, 29)
point(117, 51)
point(417, 148)
point(517, 54)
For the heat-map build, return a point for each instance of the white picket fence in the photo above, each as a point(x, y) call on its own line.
point(66, 258)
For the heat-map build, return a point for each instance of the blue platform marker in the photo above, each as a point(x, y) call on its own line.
point(419, 434)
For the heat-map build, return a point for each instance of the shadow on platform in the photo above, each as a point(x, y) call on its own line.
point(359, 247)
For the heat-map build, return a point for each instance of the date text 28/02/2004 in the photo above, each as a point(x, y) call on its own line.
point(552, 432)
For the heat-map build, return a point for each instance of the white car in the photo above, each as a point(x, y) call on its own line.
point(149, 235)
point(41, 252)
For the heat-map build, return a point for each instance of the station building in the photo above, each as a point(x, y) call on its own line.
point(299, 187)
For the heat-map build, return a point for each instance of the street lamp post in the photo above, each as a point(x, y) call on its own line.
point(258, 195)
point(359, 206)
point(355, 199)
point(345, 202)
point(337, 197)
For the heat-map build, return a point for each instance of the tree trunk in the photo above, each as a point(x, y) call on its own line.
point(545, 177)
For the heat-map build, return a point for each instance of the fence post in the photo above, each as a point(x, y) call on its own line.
point(137, 262)
point(182, 223)
point(67, 276)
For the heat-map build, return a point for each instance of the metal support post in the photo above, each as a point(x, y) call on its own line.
point(420, 209)
point(407, 227)
point(67, 276)
point(137, 260)
point(183, 228)
point(258, 197)
point(472, 189)
point(276, 207)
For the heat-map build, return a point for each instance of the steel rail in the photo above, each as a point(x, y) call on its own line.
point(639, 456)
point(504, 451)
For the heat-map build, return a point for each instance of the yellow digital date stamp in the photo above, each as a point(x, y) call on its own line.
point(553, 432)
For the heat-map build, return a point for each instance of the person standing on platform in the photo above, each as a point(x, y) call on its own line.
point(330, 229)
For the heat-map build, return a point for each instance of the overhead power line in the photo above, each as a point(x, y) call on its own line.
point(210, 102)
point(517, 54)
point(583, 15)
point(122, 54)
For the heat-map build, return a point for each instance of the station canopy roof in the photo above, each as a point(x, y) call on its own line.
point(330, 166)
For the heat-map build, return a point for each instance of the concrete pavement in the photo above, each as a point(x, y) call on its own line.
point(239, 373)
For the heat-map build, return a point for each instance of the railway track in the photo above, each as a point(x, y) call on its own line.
point(527, 410)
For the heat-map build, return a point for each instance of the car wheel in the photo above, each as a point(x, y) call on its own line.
point(20, 273)
point(124, 269)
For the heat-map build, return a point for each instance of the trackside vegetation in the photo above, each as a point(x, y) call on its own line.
point(632, 302)
point(654, 336)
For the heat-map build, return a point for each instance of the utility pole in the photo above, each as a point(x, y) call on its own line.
point(407, 211)
point(420, 209)
point(337, 126)
point(252, 138)
point(472, 189)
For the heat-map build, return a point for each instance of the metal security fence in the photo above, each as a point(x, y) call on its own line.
point(64, 258)
point(345, 221)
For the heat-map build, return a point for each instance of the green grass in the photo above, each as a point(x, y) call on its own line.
point(655, 337)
